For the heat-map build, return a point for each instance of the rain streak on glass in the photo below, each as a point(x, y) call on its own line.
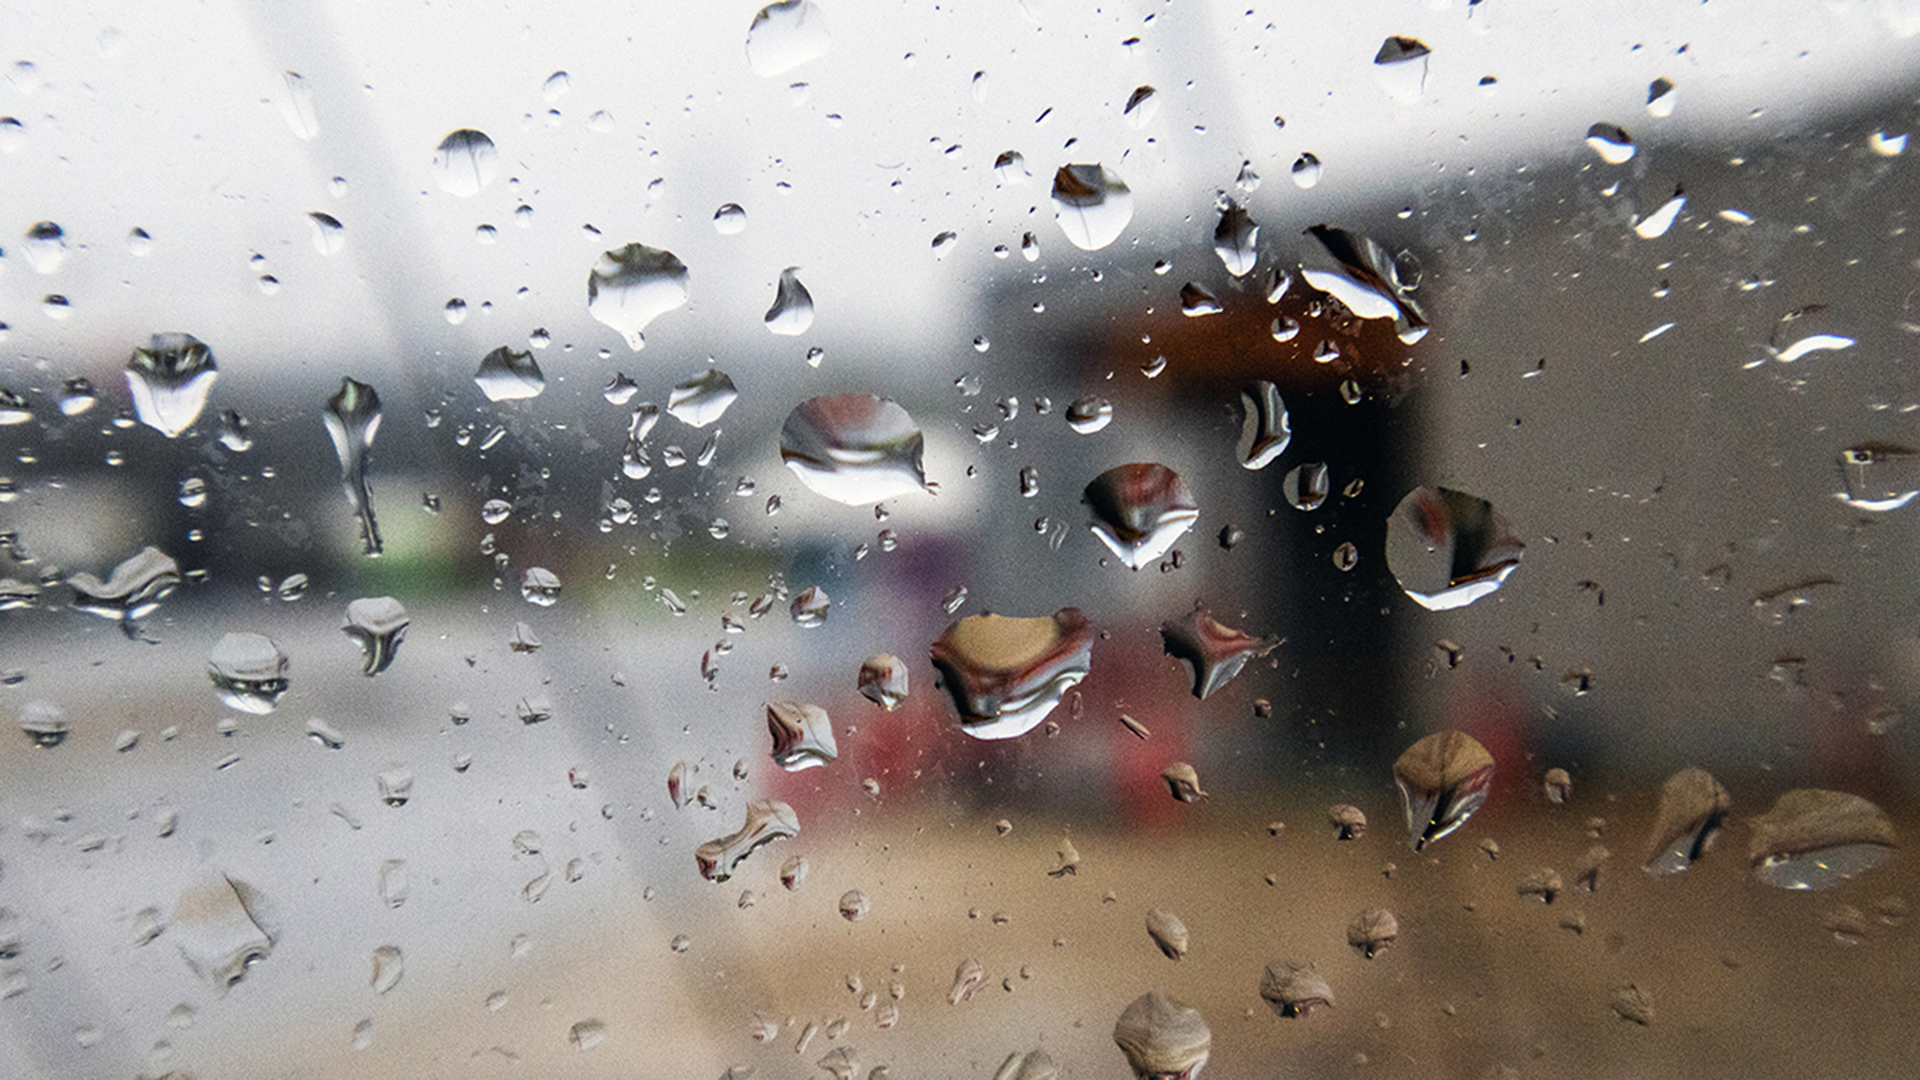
point(856, 449)
point(1213, 651)
point(702, 399)
point(1006, 674)
point(1163, 1039)
point(1265, 428)
point(248, 671)
point(767, 820)
point(1140, 511)
point(1813, 839)
point(169, 380)
point(353, 418)
point(1306, 486)
point(802, 735)
point(1447, 548)
point(1692, 806)
point(1092, 205)
point(1443, 779)
point(785, 35)
point(883, 680)
point(464, 162)
point(792, 312)
point(377, 624)
point(633, 285)
point(505, 375)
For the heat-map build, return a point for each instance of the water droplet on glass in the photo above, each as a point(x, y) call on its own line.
point(1293, 989)
point(1400, 67)
point(248, 671)
point(1656, 224)
point(1611, 142)
point(393, 882)
point(1660, 98)
point(802, 735)
point(810, 606)
point(495, 511)
point(883, 680)
point(1879, 476)
point(1443, 779)
point(1887, 145)
point(1213, 651)
point(352, 419)
point(785, 35)
point(1813, 839)
point(701, 400)
point(1373, 930)
point(1162, 1038)
point(792, 310)
point(214, 929)
point(44, 724)
point(1364, 278)
point(169, 379)
point(854, 905)
point(1196, 301)
point(730, 219)
point(1306, 171)
point(1306, 486)
point(767, 820)
point(1183, 783)
point(1265, 429)
point(633, 285)
point(234, 432)
point(1236, 239)
point(1631, 1003)
point(395, 783)
point(388, 965)
point(1140, 510)
point(793, 872)
point(132, 591)
point(1092, 205)
point(1010, 167)
point(505, 375)
point(1141, 106)
point(77, 395)
point(968, 977)
point(540, 585)
point(464, 162)
point(856, 449)
point(328, 234)
point(1006, 674)
point(1448, 549)
point(1558, 786)
point(378, 624)
point(587, 1034)
point(1692, 806)
point(45, 246)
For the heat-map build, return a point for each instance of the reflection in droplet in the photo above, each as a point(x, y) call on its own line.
point(1692, 806)
point(968, 977)
point(1293, 989)
point(1611, 142)
point(792, 310)
point(1306, 171)
point(810, 606)
point(1089, 414)
point(633, 285)
point(1443, 779)
point(1364, 278)
point(1812, 839)
point(767, 820)
point(856, 449)
point(1879, 476)
point(1306, 486)
point(854, 905)
point(505, 375)
point(793, 872)
point(377, 624)
point(1010, 167)
point(215, 931)
point(1265, 428)
point(702, 399)
point(1448, 549)
point(1140, 510)
point(248, 671)
point(352, 419)
point(1213, 651)
point(730, 219)
point(1092, 205)
point(1660, 98)
point(1196, 301)
point(785, 35)
point(802, 735)
point(169, 379)
point(464, 162)
point(1006, 674)
point(1163, 1039)
point(883, 680)
point(1236, 239)
point(45, 246)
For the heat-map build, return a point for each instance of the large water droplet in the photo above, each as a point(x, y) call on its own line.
point(792, 311)
point(215, 931)
point(45, 246)
point(1448, 549)
point(1306, 486)
point(169, 379)
point(464, 162)
point(1364, 278)
point(506, 375)
point(328, 234)
point(856, 449)
point(802, 735)
point(1443, 779)
point(1265, 428)
point(1089, 414)
point(1812, 839)
point(1306, 171)
point(1163, 1039)
point(633, 285)
point(377, 624)
point(767, 820)
point(1611, 142)
point(1657, 223)
point(1879, 476)
point(730, 219)
point(1293, 989)
point(248, 671)
point(1400, 67)
point(1692, 806)
point(1092, 205)
point(1660, 98)
point(1213, 651)
point(785, 35)
point(353, 418)
point(43, 723)
point(1140, 510)
point(1196, 300)
point(541, 586)
point(133, 590)
point(1006, 674)
point(1236, 240)
point(702, 399)
point(883, 680)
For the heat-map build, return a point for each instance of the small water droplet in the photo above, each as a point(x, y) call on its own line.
point(1611, 142)
point(248, 671)
point(464, 162)
point(854, 905)
point(378, 624)
point(169, 379)
point(1141, 107)
point(1306, 171)
point(785, 35)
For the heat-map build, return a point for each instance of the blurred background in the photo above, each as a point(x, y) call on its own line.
point(1659, 406)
